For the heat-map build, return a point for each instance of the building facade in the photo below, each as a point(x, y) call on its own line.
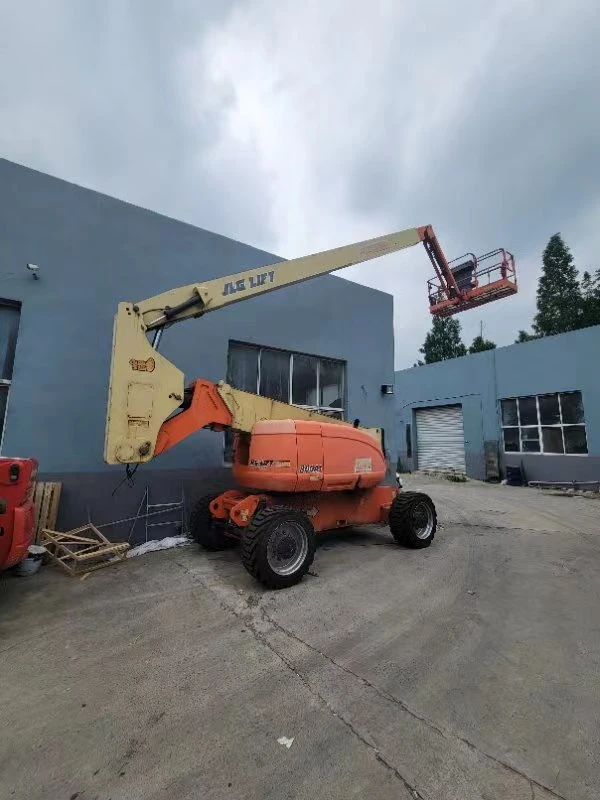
point(534, 405)
point(301, 344)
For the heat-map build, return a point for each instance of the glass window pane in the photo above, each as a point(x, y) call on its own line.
point(575, 440)
point(9, 327)
point(528, 411)
point(242, 367)
point(509, 412)
point(331, 378)
point(530, 440)
point(275, 375)
point(571, 404)
point(228, 446)
point(3, 399)
point(511, 440)
point(549, 410)
point(304, 381)
point(552, 440)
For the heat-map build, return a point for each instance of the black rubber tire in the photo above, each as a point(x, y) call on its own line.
point(256, 538)
point(403, 524)
point(208, 532)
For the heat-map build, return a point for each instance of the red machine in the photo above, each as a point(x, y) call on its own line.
point(17, 518)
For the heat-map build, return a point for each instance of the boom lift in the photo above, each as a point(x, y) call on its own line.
point(302, 472)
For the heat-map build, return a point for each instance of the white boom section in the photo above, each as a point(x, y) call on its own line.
point(197, 299)
point(146, 388)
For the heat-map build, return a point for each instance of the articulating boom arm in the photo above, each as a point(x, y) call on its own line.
point(219, 407)
point(146, 389)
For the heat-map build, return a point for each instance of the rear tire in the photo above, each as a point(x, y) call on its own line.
point(413, 520)
point(207, 531)
point(278, 547)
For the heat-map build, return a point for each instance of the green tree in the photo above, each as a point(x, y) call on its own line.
point(524, 336)
point(590, 297)
point(480, 344)
point(443, 341)
point(559, 301)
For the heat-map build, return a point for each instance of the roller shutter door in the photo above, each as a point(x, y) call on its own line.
point(441, 438)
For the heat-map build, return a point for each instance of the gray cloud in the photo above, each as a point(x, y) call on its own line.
point(297, 127)
point(92, 93)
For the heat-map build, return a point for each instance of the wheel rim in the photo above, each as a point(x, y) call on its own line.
point(287, 548)
point(422, 519)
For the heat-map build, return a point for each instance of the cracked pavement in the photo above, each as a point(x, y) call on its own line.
point(468, 671)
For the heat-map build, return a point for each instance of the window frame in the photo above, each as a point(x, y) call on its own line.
point(540, 426)
point(6, 383)
point(291, 353)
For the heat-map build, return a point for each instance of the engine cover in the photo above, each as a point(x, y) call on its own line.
point(305, 456)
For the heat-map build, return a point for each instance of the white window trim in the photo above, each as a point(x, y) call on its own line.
point(561, 425)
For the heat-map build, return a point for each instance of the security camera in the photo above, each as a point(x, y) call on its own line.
point(34, 269)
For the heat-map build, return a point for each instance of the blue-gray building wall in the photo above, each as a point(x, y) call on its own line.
point(94, 251)
point(478, 382)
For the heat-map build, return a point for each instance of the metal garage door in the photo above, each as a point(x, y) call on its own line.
point(440, 438)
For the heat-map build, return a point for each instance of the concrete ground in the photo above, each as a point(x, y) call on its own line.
point(468, 670)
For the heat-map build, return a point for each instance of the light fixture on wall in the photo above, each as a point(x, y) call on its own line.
point(34, 269)
point(387, 388)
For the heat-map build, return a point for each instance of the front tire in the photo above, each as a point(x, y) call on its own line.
point(278, 547)
point(207, 531)
point(413, 519)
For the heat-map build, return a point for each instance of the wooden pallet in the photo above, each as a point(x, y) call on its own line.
point(46, 498)
point(79, 554)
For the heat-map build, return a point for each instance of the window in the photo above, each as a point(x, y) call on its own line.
point(307, 381)
point(304, 381)
point(9, 327)
point(546, 423)
point(317, 384)
point(274, 375)
point(242, 367)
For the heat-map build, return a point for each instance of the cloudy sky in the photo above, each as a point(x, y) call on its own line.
point(298, 126)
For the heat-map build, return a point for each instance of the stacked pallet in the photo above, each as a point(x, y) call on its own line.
point(46, 498)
